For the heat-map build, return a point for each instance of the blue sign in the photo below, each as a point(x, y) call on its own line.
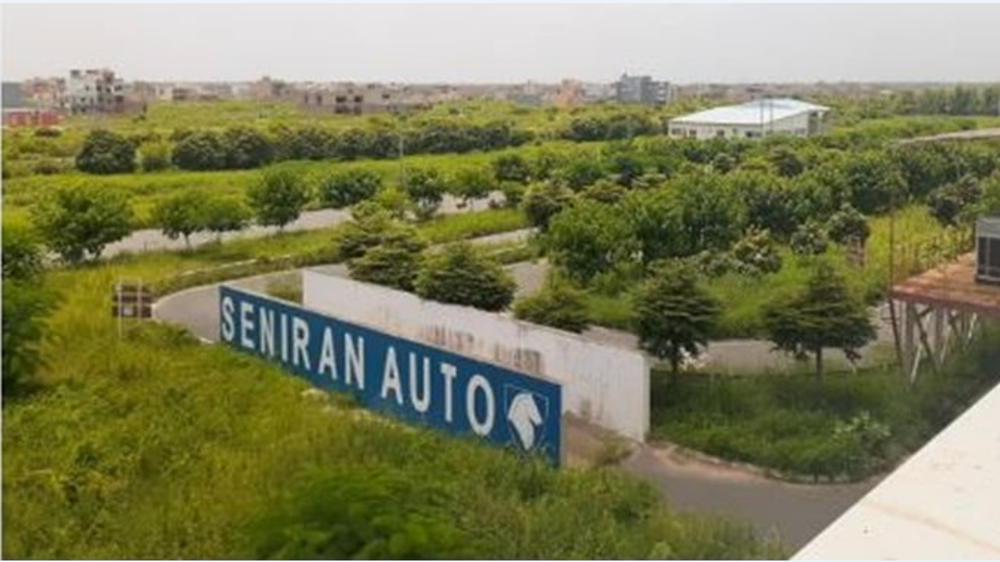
point(409, 380)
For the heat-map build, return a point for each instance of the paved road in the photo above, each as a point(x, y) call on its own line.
point(153, 239)
point(795, 513)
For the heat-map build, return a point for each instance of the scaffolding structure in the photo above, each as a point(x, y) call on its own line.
point(939, 311)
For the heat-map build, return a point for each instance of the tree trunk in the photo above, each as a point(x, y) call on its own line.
point(675, 365)
point(819, 365)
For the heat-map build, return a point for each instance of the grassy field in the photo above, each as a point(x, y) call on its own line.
point(852, 426)
point(155, 446)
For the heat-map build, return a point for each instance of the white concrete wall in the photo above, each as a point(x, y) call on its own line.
point(609, 386)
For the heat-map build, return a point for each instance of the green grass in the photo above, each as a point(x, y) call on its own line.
point(788, 423)
point(145, 190)
point(156, 446)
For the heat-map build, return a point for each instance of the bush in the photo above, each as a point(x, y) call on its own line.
point(348, 188)
point(511, 168)
point(757, 253)
point(810, 239)
point(362, 512)
point(391, 264)
point(277, 198)
point(22, 253)
point(200, 151)
point(543, 201)
point(462, 274)
point(220, 214)
point(246, 148)
point(104, 152)
point(82, 221)
point(559, 305)
point(425, 187)
point(180, 215)
point(848, 225)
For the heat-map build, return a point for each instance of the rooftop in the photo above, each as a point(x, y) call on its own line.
point(751, 113)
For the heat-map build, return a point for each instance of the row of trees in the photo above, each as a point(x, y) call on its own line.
point(241, 147)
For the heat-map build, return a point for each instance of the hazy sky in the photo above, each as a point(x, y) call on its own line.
point(507, 43)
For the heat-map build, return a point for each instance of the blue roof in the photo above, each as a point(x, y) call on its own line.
point(751, 113)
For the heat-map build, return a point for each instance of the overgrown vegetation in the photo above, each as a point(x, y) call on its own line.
point(156, 446)
point(852, 426)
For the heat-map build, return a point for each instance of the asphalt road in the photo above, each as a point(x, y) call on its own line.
point(151, 239)
point(793, 513)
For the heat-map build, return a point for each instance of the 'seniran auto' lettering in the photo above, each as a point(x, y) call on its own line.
point(407, 379)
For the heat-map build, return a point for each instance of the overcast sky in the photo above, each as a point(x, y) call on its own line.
point(507, 43)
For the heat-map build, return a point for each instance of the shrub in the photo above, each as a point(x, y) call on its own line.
point(200, 151)
point(425, 187)
point(809, 239)
point(180, 215)
point(348, 188)
point(104, 152)
point(246, 148)
point(511, 168)
point(756, 253)
point(543, 201)
point(222, 214)
point(82, 221)
point(558, 304)
point(277, 198)
point(462, 274)
point(391, 263)
point(848, 225)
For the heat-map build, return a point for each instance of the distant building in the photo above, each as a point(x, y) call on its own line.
point(30, 117)
point(12, 95)
point(988, 249)
point(753, 119)
point(641, 89)
point(94, 91)
point(268, 89)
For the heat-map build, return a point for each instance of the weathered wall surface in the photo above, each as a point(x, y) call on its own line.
point(609, 386)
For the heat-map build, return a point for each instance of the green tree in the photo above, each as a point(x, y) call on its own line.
point(848, 224)
point(393, 263)
point(823, 315)
point(956, 202)
point(104, 152)
point(426, 187)
point(246, 148)
point(200, 151)
point(810, 239)
point(461, 274)
point(590, 238)
point(873, 181)
point(277, 198)
point(347, 188)
point(756, 253)
point(511, 167)
point(543, 201)
point(22, 254)
point(472, 184)
point(26, 305)
point(786, 161)
point(81, 221)
point(559, 304)
point(155, 156)
point(180, 215)
point(224, 214)
point(673, 314)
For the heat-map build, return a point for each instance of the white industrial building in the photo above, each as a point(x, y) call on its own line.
point(755, 119)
